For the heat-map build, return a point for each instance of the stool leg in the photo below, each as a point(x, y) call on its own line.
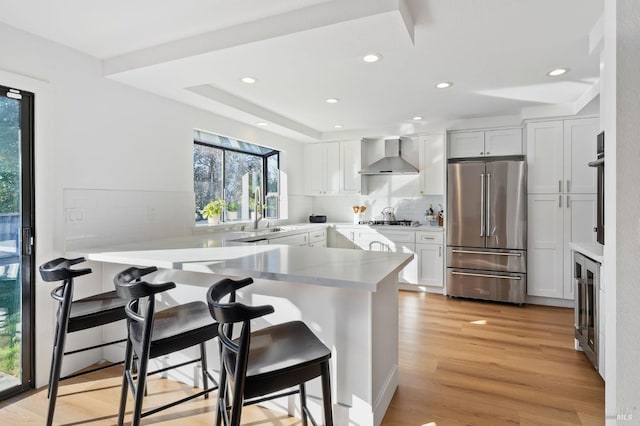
point(141, 388)
point(54, 377)
point(221, 406)
point(303, 403)
point(326, 394)
point(58, 350)
point(53, 353)
point(203, 364)
point(128, 361)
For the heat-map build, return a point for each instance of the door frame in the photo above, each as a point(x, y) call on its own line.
point(27, 249)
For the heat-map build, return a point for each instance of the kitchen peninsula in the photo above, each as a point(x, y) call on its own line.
point(347, 297)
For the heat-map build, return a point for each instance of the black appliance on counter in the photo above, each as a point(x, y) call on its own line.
point(599, 164)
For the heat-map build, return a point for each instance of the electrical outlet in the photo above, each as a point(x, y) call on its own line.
point(74, 215)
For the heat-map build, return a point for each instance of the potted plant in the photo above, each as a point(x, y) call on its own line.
point(232, 211)
point(212, 211)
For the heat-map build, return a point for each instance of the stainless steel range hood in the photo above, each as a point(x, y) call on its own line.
point(391, 163)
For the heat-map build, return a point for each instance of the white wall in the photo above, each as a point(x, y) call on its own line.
point(625, 128)
point(608, 122)
point(94, 134)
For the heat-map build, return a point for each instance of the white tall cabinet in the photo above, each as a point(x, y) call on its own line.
point(561, 203)
point(332, 168)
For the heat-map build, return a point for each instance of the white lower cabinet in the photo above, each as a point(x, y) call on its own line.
point(430, 254)
point(554, 221)
point(318, 238)
point(427, 266)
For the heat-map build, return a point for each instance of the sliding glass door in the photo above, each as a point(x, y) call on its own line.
point(16, 242)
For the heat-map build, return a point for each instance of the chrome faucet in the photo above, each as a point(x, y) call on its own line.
point(257, 196)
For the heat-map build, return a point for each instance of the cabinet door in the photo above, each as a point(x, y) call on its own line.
point(409, 274)
point(430, 264)
point(466, 144)
point(580, 138)
point(579, 220)
point(545, 252)
point(316, 169)
point(332, 167)
point(545, 157)
point(341, 238)
point(432, 164)
point(503, 142)
point(350, 166)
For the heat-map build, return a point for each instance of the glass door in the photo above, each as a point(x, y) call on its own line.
point(16, 242)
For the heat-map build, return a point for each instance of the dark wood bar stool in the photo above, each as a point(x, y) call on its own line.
point(153, 334)
point(75, 315)
point(258, 364)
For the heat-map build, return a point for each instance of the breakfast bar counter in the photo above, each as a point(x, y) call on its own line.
point(349, 298)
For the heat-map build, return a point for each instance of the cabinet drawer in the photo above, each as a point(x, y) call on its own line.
point(316, 236)
point(399, 236)
point(291, 240)
point(429, 237)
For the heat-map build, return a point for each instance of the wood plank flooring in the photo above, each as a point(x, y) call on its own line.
point(461, 363)
point(466, 362)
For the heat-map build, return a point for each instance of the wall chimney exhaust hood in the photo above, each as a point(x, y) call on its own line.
point(391, 163)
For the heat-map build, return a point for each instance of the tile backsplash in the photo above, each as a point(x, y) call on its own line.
point(98, 217)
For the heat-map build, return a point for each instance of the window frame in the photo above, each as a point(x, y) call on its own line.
point(264, 187)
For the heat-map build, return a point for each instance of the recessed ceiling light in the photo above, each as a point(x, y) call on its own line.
point(248, 80)
point(338, 126)
point(262, 123)
point(332, 101)
point(417, 118)
point(444, 85)
point(557, 72)
point(372, 57)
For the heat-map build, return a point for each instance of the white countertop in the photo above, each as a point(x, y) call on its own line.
point(591, 250)
point(214, 253)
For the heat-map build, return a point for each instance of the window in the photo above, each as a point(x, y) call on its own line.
point(235, 171)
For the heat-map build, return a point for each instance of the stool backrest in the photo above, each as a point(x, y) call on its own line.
point(235, 356)
point(60, 269)
point(129, 286)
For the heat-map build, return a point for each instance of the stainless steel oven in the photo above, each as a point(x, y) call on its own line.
point(599, 164)
point(586, 274)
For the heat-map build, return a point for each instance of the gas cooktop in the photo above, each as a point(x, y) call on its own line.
point(403, 222)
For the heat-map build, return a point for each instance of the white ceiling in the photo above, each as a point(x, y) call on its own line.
point(497, 53)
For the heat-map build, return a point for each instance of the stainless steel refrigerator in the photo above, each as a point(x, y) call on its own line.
point(487, 229)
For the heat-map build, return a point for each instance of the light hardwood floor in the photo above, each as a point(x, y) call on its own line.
point(461, 363)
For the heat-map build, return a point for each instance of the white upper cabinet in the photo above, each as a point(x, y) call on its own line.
point(503, 142)
point(332, 168)
point(580, 140)
point(466, 144)
point(545, 157)
point(432, 164)
point(558, 153)
point(485, 143)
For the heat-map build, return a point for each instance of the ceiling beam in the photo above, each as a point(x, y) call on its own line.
point(262, 114)
point(317, 16)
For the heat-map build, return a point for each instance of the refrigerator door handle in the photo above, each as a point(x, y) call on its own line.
point(501, 277)
point(482, 224)
point(486, 252)
point(488, 218)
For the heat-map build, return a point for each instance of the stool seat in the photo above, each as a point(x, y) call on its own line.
point(96, 310)
point(177, 328)
point(284, 351)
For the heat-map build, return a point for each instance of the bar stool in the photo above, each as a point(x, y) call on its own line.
point(75, 315)
point(273, 359)
point(153, 334)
